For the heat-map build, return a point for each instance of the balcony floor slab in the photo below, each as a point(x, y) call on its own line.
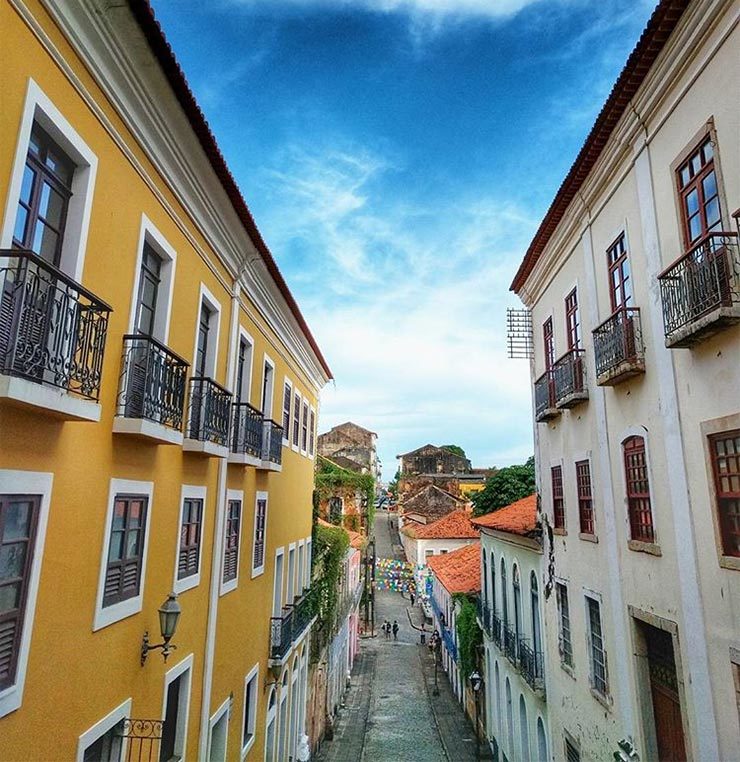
point(244, 459)
point(620, 373)
point(703, 327)
point(210, 449)
point(547, 414)
point(268, 465)
point(571, 400)
point(49, 399)
point(140, 427)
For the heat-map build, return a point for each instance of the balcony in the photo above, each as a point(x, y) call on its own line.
point(496, 629)
point(531, 666)
point(272, 446)
point(569, 373)
point(700, 292)
point(484, 615)
point(449, 641)
point(544, 398)
point(287, 630)
point(209, 411)
point(246, 435)
point(151, 397)
point(509, 643)
point(618, 347)
point(52, 338)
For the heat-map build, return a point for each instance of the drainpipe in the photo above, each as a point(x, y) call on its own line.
point(218, 531)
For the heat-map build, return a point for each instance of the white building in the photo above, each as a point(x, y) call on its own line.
point(510, 616)
point(633, 283)
point(452, 573)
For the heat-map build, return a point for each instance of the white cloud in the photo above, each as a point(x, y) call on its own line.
point(407, 302)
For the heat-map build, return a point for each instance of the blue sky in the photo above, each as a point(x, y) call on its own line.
point(398, 156)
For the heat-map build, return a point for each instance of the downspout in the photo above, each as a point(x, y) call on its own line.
point(215, 584)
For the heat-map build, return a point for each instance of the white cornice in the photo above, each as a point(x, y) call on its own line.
point(108, 41)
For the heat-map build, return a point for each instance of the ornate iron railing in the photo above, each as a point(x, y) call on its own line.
point(484, 614)
point(449, 642)
point(531, 665)
point(618, 340)
point(246, 430)
point(281, 633)
point(569, 373)
point(544, 396)
point(510, 644)
point(52, 330)
point(143, 738)
point(152, 382)
point(303, 612)
point(496, 629)
point(272, 441)
point(706, 278)
point(209, 411)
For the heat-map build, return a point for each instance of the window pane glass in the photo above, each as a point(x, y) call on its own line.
point(712, 212)
point(19, 232)
point(51, 206)
point(10, 596)
point(116, 546)
point(17, 521)
point(132, 544)
point(119, 515)
point(695, 163)
point(708, 151)
point(692, 202)
point(27, 185)
point(59, 165)
point(684, 175)
point(12, 558)
point(695, 227)
point(135, 511)
point(44, 241)
point(709, 186)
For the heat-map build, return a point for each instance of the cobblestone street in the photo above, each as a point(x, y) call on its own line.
point(390, 712)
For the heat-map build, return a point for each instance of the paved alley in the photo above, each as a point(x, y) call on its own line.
point(390, 712)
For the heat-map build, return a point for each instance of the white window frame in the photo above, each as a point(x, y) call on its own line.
point(296, 446)
point(27, 483)
point(252, 719)
point(304, 422)
point(596, 597)
point(267, 360)
point(308, 559)
point(243, 334)
point(257, 570)
point(286, 382)
point(183, 708)
point(312, 432)
point(148, 233)
point(290, 578)
point(224, 709)
point(278, 552)
point(114, 613)
point(301, 566)
point(101, 727)
point(190, 492)
point(232, 584)
point(38, 107)
point(214, 321)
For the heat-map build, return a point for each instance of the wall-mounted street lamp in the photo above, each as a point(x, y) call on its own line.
point(169, 616)
point(476, 683)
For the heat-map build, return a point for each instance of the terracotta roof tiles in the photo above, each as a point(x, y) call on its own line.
point(458, 571)
point(518, 518)
point(454, 526)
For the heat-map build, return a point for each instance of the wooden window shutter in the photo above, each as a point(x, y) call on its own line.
point(126, 548)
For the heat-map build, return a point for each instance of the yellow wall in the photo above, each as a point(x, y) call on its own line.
point(76, 676)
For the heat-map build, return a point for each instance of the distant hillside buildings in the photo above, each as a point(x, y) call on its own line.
point(351, 446)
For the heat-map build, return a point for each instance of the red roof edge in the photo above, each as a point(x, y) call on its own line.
point(144, 15)
point(654, 37)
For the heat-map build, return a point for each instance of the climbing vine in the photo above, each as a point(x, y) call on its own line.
point(331, 480)
point(330, 547)
point(469, 635)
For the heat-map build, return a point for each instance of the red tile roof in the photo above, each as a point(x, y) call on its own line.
point(454, 526)
point(160, 47)
point(458, 571)
point(356, 540)
point(664, 20)
point(518, 518)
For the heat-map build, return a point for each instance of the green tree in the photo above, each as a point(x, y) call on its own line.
point(506, 486)
point(456, 449)
point(393, 485)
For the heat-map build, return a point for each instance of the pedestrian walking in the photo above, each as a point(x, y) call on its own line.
point(413, 597)
point(395, 629)
point(387, 629)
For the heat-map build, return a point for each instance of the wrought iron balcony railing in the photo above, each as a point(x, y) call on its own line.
point(303, 612)
point(531, 665)
point(52, 330)
point(570, 379)
point(509, 643)
point(281, 633)
point(272, 442)
point(246, 430)
point(544, 397)
point(209, 411)
point(496, 629)
point(700, 292)
point(618, 347)
point(152, 382)
point(484, 614)
point(449, 642)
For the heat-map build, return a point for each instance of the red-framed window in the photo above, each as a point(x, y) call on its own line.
point(549, 343)
point(620, 277)
point(585, 499)
point(558, 502)
point(572, 320)
point(697, 188)
point(638, 490)
point(231, 544)
point(190, 535)
point(126, 549)
point(18, 520)
point(725, 449)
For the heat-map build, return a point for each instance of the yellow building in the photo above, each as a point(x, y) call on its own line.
point(158, 404)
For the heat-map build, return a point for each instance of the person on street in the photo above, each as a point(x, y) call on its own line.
point(395, 629)
point(413, 597)
point(387, 629)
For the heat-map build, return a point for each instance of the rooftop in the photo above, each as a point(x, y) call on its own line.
point(454, 526)
point(458, 571)
point(518, 518)
point(356, 540)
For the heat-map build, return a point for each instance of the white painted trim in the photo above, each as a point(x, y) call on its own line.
point(301, 566)
point(312, 432)
point(157, 432)
point(232, 584)
point(224, 709)
point(101, 727)
point(39, 107)
point(290, 579)
point(267, 360)
point(257, 570)
point(105, 616)
point(27, 483)
point(149, 233)
point(183, 708)
point(286, 432)
point(205, 295)
point(252, 719)
point(278, 552)
point(49, 398)
point(244, 334)
point(304, 424)
point(199, 493)
point(296, 446)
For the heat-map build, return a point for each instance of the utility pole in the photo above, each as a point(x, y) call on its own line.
point(372, 592)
